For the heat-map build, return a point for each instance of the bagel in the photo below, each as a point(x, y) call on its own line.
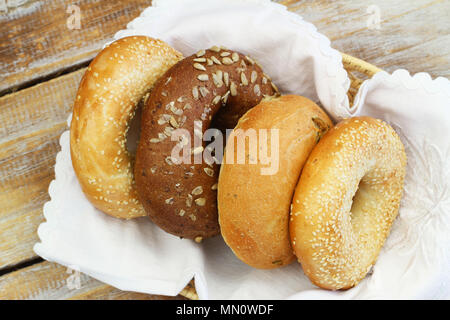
point(113, 84)
point(345, 202)
point(215, 84)
point(253, 205)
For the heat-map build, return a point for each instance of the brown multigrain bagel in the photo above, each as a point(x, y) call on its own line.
point(254, 201)
point(113, 84)
point(219, 83)
point(346, 200)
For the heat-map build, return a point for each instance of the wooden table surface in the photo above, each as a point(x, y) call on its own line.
point(42, 61)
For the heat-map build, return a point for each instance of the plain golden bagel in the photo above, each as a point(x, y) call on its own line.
point(254, 202)
point(210, 89)
point(345, 202)
point(114, 83)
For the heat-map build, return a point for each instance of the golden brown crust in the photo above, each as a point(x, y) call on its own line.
point(346, 200)
point(181, 198)
point(114, 83)
point(254, 207)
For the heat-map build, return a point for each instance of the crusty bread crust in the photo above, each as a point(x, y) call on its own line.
point(216, 85)
point(254, 208)
point(346, 200)
point(114, 83)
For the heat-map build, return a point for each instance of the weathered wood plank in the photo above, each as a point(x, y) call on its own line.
point(31, 122)
point(47, 280)
point(414, 35)
point(35, 39)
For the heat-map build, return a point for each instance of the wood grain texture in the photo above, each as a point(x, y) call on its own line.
point(35, 39)
point(48, 280)
point(31, 122)
point(35, 42)
point(414, 35)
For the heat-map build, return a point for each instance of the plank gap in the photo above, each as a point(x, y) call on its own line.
point(45, 78)
point(21, 265)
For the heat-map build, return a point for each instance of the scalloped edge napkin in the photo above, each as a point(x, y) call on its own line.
point(137, 256)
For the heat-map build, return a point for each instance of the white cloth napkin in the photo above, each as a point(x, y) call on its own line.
point(137, 256)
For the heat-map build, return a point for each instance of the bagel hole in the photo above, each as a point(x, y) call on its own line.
point(134, 131)
point(358, 200)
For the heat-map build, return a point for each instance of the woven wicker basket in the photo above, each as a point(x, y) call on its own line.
point(358, 71)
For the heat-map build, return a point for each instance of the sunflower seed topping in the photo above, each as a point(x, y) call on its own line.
point(214, 186)
point(257, 90)
point(169, 201)
point(199, 59)
point(233, 89)
point(215, 48)
point(254, 76)
point(227, 61)
point(195, 92)
point(169, 160)
point(226, 78)
point(199, 66)
point(235, 57)
point(209, 171)
point(200, 53)
point(203, 77)
point(197, 191)
point(200, 201)
point(225, 96)
point(215, 60)
point(154, 140)
point(181, 213)
point(173, 122)
point(161, 136)
point(216, 99)
point(225, 54)
point(168, 131)
point(162, 121)
point(197, 150)
point(203, 91)
point(244, 80)
point(250, 60)
point(189, 200)
point(217, 79)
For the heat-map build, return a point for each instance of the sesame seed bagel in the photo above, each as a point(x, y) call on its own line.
point(254, 204)
point(114, 83)
point(345, 202)
point(212, 86)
